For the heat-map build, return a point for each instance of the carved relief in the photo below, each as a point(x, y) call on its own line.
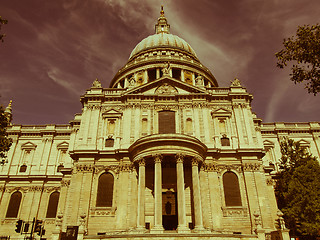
point(251, 167)
point(103, 212)
point(125, 167)
point(234, 212)
point(270, 182)
point(166, 89)
point(220, 168)
point(35, 188)
point(114, 168)
point(65, 183)
point(13, 189)
point(84, 168)
point(51, 189)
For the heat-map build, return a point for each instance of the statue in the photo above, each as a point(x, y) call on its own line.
point(132, 82)
point(96, 83)
point(166, 69)
point(199, 80)
point(236, 83)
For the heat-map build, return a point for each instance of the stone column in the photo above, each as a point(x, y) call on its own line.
point(157, 195)
point(141, 191)
point(182, 220)
point(196, 196)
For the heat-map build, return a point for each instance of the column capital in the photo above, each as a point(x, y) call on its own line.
point(141, 162)
point(157, 158)
point(195, 161)
point(179, 157)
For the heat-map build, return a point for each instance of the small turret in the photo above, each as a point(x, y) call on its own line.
point(162, 26)
point(8, 111)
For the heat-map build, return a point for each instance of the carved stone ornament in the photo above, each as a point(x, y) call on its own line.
point(251, 167)
point(35, 188)
point(166, 89)
point(270, 182)
point(96, 83)
point(236, 83)
point(222, 167)
point(65, 183)
point(51, 189)
point(84, 168)
point(13, 189)
point(125, 167)
point(234, 212)
point(2, 188)
point(100, 168)
point(166, 107)
point(103, 211)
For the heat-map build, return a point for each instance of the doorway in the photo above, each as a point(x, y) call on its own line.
point(169, 210)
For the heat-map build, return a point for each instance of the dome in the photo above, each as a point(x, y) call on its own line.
point(162, 39)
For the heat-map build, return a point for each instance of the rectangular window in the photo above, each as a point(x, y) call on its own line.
point(167, 123)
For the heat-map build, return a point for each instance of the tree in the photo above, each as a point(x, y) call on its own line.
point(303, 51)
point(5, 142)
point(298, 189)
point(2, 21)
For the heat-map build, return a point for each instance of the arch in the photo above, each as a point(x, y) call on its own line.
point(105, 190)
point(14, 205)
point(231, 188)
point(53, 205)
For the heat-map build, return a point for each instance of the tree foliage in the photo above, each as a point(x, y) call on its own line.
point(5, 142)
point(298, 189)
point(303, 51)
point(2, 21)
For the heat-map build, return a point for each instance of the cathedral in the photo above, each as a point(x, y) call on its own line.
point(163, 153)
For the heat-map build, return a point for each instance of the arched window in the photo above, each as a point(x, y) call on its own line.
point(231, 189)
point(105, 190)
point(23, 168)
point(53, 205)
point(167, 123)
point(14, 205)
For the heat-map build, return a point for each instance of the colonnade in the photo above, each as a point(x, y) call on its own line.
point(182, 218)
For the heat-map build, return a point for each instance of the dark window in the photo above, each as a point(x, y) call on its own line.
point(167, 122)
point(231, 189)
point(53, 205)
point(152, 73)
point(105, 190)
point(59, 168)
point(14, 205)
point(23, 168)
point(109, 142)
point(176, 73)
point(225, 141)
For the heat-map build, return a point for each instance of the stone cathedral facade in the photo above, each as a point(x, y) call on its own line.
point(163, 153)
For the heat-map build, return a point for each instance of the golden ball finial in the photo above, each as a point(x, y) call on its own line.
point(162, 12)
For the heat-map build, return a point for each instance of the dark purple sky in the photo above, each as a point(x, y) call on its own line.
point(55, 49)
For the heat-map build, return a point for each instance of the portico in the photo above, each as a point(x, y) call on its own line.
point(171, 161)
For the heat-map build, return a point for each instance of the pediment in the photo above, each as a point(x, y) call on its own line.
point(112, 113)
point(28, 145)
point(268, 143)
point(63, 145)
point(166, 86)
point(221, 112)
point(304, 143)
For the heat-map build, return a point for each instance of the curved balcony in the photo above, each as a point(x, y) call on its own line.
point(167, 144)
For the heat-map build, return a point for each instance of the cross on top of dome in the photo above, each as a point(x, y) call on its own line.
point(162, 26)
